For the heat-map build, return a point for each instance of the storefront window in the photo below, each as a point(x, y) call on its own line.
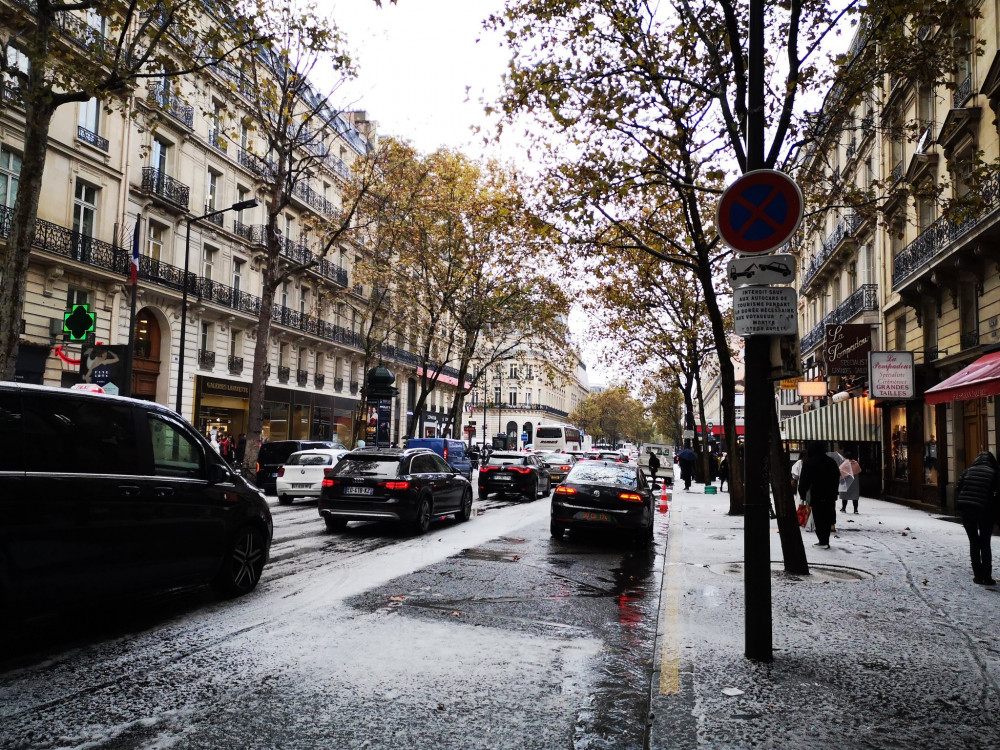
point(930, 447)
point(322, 423)
point(300, 422)
point(900, 467)
point(275, 421)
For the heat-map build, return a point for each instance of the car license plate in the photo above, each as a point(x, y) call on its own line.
point(302, 485)
point(274, 474)
point(590, 516)
point(503, 478)
point(359, 491)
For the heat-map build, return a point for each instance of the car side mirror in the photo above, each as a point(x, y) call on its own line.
point(217, 474)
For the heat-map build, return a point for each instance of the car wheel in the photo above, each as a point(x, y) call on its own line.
point(422, 522)
point(556, 530)
point(284, 500)
point(465, 512)
point(243, 563)
point(532, 493)
point(335, 524)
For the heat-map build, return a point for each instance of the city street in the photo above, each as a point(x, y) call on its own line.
point(487, 634)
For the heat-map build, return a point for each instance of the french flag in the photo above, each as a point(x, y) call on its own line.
point(135, 252)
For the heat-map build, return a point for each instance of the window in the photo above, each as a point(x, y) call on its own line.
point(211, 191)
point(207, 337)
point(207, 261)
point(303, 358)
point(16, 61)
point(158, 155)
point(930, 322)
point(835, 293)
point(896, 238)
point(497, 395)
point(235, 343)
point(512, 398)
point(527, 397)
point(244, 136)
point(338, 368)
point(242, 195)
point(10, 175)
point(303, 300)
point(284, 294)
point(513, 371)
point(852, 277)
point(84, 219)
point(282, 354)
point(154, 241)
point(90, 116)
point(238, 274)
point(79, 436)
point(175, 453)
point(925, 213)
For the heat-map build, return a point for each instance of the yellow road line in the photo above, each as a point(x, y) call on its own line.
point(670, 654)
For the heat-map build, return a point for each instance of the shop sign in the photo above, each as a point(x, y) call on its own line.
point(846, 349)
point(790, 384)
point(230, 388)
point(890, 375)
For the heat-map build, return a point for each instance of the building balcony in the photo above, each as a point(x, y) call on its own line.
point(863, 299)
point(969, 339)
point(338, 384)
point(302, 378)
point(841, 237)
point(946, 237)
point(242, 230)
point(218, 219)
point(217, 140)
point(170, 103)
point(962, 93)
point(318, 380)
point(156, 182)
point(91, 138)
point(354, 387)
point(206, 359)
point(235, 365)
point(284, 373)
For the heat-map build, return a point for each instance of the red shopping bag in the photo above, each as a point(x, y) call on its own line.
point(803, 512)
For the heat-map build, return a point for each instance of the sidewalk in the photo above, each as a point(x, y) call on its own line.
point(888, 644)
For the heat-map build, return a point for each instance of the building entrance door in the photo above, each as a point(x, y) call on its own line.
point(975, 430)
point(146, 362)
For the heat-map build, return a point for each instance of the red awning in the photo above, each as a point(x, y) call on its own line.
point(717, 429)
point(978, 380)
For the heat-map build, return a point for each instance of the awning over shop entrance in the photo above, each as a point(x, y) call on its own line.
point(845, 421)
point(978, 380)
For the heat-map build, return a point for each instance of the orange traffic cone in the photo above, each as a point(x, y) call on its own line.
point(664, 498)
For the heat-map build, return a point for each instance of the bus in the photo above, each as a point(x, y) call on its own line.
point(558, 437)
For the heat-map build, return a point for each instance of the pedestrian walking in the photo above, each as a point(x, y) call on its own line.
point(241, 449)
point(819, 482)
point(853, 490)
point(723, 471)
point(687, 457)
point(977, 504)
point(654, 465)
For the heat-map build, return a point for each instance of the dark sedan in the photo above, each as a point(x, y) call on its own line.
point(603, 495)
point(393, 484)
point(559, 465)
point(512, 473)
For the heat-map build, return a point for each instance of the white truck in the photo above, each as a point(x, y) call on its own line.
point(665, 454)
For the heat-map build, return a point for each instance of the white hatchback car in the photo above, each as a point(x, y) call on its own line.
point(302, 474)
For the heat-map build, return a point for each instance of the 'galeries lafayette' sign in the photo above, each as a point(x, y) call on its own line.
point(846, 349)
point(890, 375)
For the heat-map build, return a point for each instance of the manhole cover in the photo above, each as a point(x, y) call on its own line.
point(817, 573)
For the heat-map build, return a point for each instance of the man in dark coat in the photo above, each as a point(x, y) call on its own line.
point(654, 465)
point(820, 481)
point(977, 504)
point(687, 457)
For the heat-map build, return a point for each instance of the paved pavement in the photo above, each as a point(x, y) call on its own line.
point(887, 644)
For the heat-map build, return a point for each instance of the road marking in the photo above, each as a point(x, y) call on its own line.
point(670, 617)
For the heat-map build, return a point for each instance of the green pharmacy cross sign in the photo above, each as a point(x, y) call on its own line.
point(78, 322)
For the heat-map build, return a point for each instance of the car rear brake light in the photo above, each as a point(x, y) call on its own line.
point(281, 471)
point(631, 497)
point(563, 490)
point(564, 468)
point(488, 468)
point(327, 482)
point(445, 456)
point(520, 469)
point(397, 485)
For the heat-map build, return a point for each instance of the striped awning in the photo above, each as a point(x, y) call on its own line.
point(845, 421)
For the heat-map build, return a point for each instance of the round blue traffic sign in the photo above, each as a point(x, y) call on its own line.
point(759, 212)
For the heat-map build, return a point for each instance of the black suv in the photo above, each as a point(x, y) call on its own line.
point(102, 496)
point(273, 455)
point(512, 473)
point(408, 485)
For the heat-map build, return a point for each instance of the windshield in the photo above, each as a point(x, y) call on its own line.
point(309, 459)
point(590, 473)
point(549, 432)
point(496, 460)
point(368, 466)
point(555, 458)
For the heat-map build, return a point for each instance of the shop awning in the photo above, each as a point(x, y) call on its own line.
point(978, 380)
point(845, 421)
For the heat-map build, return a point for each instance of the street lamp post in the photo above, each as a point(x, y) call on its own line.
point(184, 293)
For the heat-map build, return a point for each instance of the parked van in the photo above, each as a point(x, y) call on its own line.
point(452, 451)
point(665, 453)
point(102, 495)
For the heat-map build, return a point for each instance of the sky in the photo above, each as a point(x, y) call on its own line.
point(425, 70)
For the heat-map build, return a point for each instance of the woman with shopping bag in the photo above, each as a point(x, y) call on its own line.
point(852, 469)
point(819, 483)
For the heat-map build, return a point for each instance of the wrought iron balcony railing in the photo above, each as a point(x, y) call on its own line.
point(864, 298)
point(338, 384)
point(235, 365)
point(92, 138)
point(218, 219)
point(217, 140)
point(302, 377)
point(283, 374)
point(318, 380)
point(941, 235)
point(206, 359)
point(845, 228)
point(165, 186)
point(169, 102)
point(962, 93)
point(970, 339)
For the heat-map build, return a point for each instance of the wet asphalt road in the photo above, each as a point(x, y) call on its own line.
point(487, 634)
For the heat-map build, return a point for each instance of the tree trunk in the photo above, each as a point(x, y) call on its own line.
point(255, 424)
point(22, 235)
point(792, 547)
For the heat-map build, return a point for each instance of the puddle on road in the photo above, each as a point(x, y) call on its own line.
point(817, 573)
